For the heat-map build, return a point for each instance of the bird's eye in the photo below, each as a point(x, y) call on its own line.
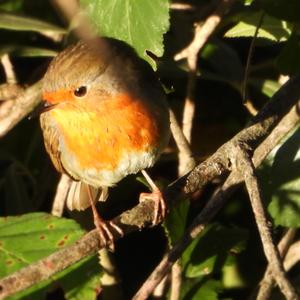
point(80, 91)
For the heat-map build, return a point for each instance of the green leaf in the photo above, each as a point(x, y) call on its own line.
point(282, 9)
point(28, 238)
point(211, 250)
point(266, 86)
point(280, 181)
point(271, 28)
point(26, 51)
point(175, 222)
point(22, 23)
point(288, 61)
point(141, 24)
point(198, 289)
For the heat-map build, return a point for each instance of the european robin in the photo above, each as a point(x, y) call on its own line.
point(105, 116)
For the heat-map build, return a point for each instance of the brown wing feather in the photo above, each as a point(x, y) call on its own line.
point(51, 141)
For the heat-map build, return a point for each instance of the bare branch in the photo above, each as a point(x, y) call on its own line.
point(110, 278)
point(8, 69)
point(23, 105)
point(266, 284)
point(187, 161)
point(176, 280)
point(61, 195)
point(219, 198)
point(246, 167)
point(191, 52)
point(260, 127)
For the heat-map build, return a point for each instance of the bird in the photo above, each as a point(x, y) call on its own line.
point(104, 116)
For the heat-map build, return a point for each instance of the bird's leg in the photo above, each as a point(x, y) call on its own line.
point(103, 227)
point(160, 207)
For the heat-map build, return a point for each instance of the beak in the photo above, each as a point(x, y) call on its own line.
point(44, 106)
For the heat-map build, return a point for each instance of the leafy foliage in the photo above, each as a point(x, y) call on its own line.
point(28, 238)
point(226, 260)
point(280, 176)
point(139, 23)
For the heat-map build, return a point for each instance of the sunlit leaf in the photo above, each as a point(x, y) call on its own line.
point(141, 24)
point(23, 23)
point(271, 28)
point(28, 238)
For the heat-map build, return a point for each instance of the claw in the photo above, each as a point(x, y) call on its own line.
point(105, 232)
point(160, 207)
point(104, 228)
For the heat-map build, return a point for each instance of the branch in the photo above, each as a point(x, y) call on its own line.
point(61, 195)
point(219, 198)
point(260, 127)
point(244, 164)
point(8, 69)
point(191, 52)
point(23, 105)
point(132, 220)
point(142, 215)
point(266, 284)
point(186, 160)
point(176, 281)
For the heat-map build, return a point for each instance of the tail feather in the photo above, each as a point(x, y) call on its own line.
point(78, 197)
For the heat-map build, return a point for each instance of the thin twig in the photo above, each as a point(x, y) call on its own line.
point(187, 161)
point(23, 105)
point(244, 164)
point(110, 278)
point(176, 280)
point(160, 289)
point(292, 256)
point(61, 195)
point(217, 201)
point(8, 69)
point(249, 58)
point(182, 6)
point(257, 130)
point(267, 283)
point(204, 31)
point(191, 52)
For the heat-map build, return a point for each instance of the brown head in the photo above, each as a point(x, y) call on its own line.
point(102, 67)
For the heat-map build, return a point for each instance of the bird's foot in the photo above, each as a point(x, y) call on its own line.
point(160, 207)
point(105, 230)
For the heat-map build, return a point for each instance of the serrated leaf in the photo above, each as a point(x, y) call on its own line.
point(211, 250)
point(271, 28)
point(141, 24)
point(282, 9)
point(28, 238)
point(23, 23)
point(280, 181)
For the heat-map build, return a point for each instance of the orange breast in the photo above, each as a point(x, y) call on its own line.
point(98, 138)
